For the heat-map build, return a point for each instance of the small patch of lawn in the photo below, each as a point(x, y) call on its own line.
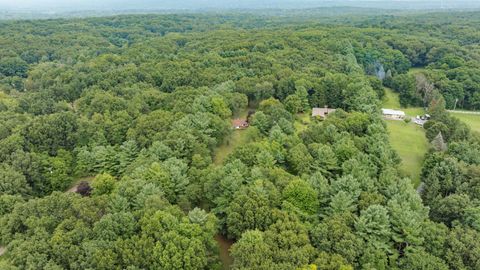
point(411, 145)
point(472, 120)
point(301, 122)
point(238, 137)
point(414, 70)
point(392, 101)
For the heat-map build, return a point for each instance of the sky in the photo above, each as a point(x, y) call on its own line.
point(79, 5)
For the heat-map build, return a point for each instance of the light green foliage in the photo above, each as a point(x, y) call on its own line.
point(252, 252)
point(374, 226)
point(251, 209)
point(12, 182)
point(103, 184)
point(301, 195)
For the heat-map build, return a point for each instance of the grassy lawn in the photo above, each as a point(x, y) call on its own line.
point(238, 137)
point(416, 70)
point(391, 101)
point(411, 145)
point(407, 139)
point(472, 120)
point(301, 122)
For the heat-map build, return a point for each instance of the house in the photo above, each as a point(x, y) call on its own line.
point(393, 114)
point(321, 112)
point(240, 123)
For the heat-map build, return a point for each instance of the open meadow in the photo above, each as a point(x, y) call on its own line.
point(408, 139)
point(472, 120)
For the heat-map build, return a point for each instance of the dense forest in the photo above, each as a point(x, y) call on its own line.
point(132, 109)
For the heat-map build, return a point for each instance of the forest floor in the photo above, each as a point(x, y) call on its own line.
point(224, 245)
point(472, 119)
point(2, 250)
point(408, 139)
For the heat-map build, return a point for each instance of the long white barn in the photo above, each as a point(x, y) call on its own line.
point(393, 114)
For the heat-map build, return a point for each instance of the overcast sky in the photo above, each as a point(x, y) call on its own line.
point(46, 5)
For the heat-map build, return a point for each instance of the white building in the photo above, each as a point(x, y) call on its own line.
point(393, 114)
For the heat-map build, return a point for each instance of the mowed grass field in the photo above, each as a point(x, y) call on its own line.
point(408, 139)
point(472, 120)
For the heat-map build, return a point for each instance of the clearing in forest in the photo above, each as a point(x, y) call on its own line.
point(236, 138)
point(301, 122)
point(391, 101)
point(408, 139)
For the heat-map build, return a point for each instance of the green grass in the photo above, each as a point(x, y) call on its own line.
point(238, 137)
point(301, 122)
point(407, 139)
point(416, 70)
point(391, 101)
point(472, 120)
point(411, 145)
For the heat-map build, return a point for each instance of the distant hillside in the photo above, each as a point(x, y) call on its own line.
point(42, 9)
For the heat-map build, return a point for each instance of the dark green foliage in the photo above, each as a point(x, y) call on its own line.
point(143, 102)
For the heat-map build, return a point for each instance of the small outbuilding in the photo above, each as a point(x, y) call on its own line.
point(240, 123)
point(322, 112)
point(393, 114)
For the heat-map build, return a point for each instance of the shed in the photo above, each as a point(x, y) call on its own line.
point(393, 114)
point(321, 112)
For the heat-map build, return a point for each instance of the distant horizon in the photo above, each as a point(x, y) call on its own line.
point(55, 6)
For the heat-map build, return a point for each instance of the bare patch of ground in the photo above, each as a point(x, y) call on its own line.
point(224, 245)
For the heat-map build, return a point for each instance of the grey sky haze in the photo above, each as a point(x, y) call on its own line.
point(76, 5)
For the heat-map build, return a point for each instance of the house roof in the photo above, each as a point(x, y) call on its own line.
point(393, 112)
point(239, 122)
point(322, 112)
